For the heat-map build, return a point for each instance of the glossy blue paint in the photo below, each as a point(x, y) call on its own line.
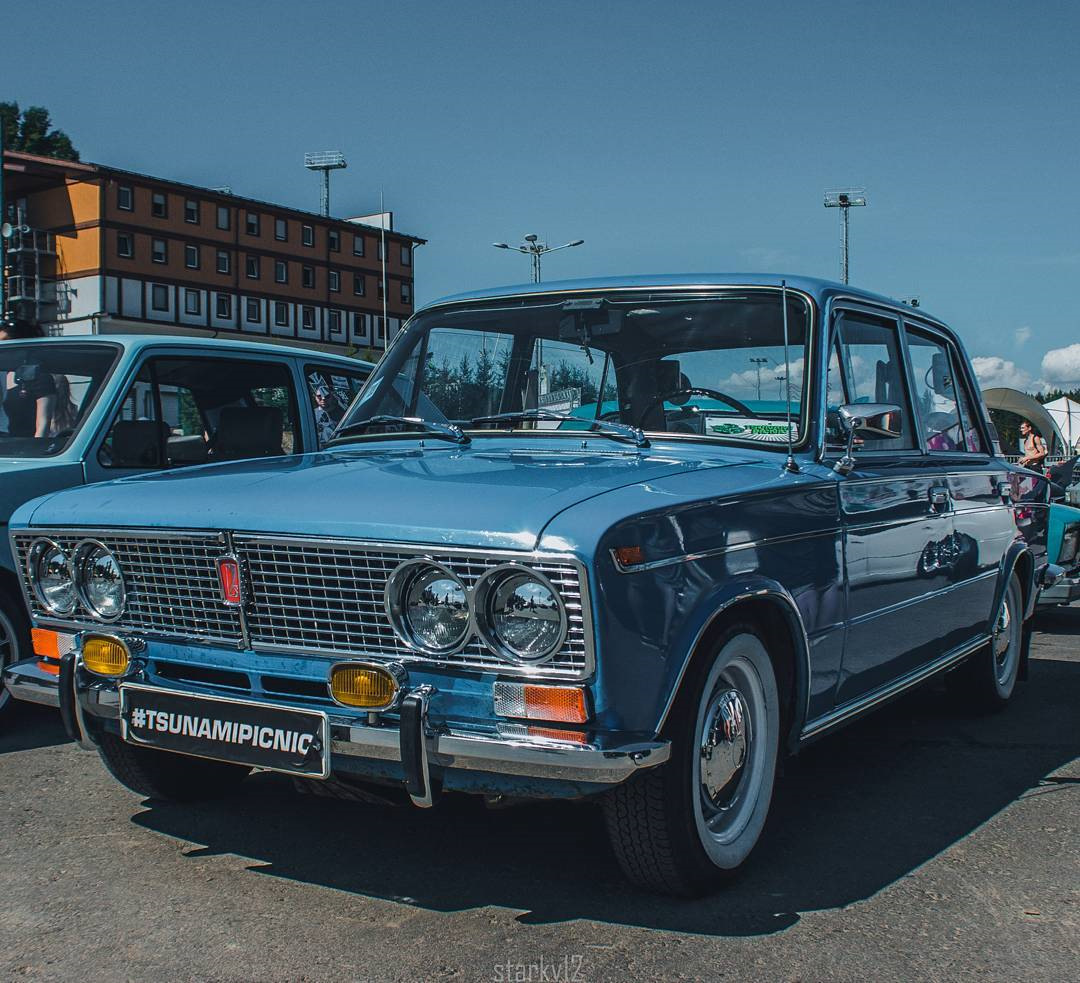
point(864, 578)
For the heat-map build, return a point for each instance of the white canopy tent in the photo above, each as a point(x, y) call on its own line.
point(1015, 401)
point(1066, 414)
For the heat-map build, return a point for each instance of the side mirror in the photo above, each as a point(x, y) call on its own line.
point(878, 421)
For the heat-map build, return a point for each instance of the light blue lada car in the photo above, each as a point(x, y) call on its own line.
point(85, 409)
point(785, 507)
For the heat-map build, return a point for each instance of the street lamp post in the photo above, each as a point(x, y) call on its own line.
point(845, 200)
point(535, 249)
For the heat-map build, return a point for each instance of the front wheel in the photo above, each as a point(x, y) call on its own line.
point(683, 827)
point(14, 642)
point(166, 776)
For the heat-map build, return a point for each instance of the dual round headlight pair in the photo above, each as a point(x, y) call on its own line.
point(90, 575)
point(516, 611)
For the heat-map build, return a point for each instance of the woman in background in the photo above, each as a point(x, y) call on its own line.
point(65, 413)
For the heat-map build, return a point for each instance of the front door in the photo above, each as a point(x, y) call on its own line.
point(896, 512)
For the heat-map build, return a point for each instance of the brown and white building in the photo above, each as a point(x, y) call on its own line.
point(96, 249)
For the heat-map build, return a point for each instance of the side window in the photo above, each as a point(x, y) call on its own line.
point(184, 411)
point(866, 367)
point(944, 410)
point(332, 390)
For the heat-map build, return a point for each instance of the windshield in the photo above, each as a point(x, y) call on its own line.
point(707, 367)
point(47, 390)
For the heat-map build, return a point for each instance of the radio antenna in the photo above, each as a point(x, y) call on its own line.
point(790, 464)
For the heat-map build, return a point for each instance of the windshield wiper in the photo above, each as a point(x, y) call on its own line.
point(441, 431)
point(609, 428)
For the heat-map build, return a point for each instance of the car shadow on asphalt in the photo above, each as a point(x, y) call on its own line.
point(26, 726)
point(854, 813)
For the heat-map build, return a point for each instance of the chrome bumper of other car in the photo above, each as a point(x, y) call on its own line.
point(1063, 591)
point(27, 681)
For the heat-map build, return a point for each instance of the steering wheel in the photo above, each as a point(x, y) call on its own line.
point(694, 391)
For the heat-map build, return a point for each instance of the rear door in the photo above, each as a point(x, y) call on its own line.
point(895, 512)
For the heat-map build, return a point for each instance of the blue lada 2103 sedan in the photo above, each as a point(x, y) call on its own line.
point(632, 539)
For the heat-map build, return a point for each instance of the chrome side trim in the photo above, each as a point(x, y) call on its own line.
point(785, 599)
point(28, 682)
point(918, 599)
point(720, 551)
point(854, 709)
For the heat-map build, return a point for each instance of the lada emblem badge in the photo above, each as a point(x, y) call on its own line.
point(229, 578)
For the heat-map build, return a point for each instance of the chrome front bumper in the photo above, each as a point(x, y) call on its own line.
point(27, 681)
point(465, 750)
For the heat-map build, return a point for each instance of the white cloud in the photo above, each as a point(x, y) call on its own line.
point(1061, 366)
point(1023, 335)
point(993, 371)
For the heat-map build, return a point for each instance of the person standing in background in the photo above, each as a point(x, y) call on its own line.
point(1034, 447)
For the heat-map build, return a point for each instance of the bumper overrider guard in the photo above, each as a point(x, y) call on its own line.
point(413, 741)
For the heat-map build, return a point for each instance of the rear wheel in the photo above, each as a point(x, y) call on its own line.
point(683, 827)
point(986, 681)
point(166, 776)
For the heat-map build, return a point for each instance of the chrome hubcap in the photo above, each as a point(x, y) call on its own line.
point(1002, 634)
point(724, 741)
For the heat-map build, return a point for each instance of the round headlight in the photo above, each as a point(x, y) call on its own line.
point(100, 581)
point(428, 607)
point(50, 574)
point(520, 614)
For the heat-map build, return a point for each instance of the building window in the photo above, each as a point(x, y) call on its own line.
point(159, 297)
point(159, 251)
point(406, 292)
point(224, 306)
point(224, 217)
point(358, 284)
point(281, 314)
point(159, 205)
point(308, 316)
point(125, 198)
point(253, 313)
point(224, 261)
point(406, 255)
point(380, 328)
point(334, 322)
point(335, 281)
point(333, 237)
point(252, 267)
point(252, 223)
point(191, 211)
point(308, 278)
point(125, 245)
point(379, 251)
point(358, 245)
point(191, 257)
point(308, 235)
point(281, 230)
point(281, 271)
point(379, 288)
point(192, 302)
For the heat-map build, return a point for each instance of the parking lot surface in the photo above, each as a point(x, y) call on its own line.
point(919, 843)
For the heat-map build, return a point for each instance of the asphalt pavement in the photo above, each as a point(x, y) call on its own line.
point(920, 843)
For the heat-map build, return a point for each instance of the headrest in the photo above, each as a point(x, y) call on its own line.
point(248, 431)
point(137, 443)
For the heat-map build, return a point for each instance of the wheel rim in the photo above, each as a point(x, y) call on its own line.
point(730, 759)
point(7, 653)
point(1004, 641)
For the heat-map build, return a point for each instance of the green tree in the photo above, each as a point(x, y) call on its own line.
point(30, 130)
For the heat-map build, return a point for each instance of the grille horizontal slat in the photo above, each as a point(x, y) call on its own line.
point(305, 595)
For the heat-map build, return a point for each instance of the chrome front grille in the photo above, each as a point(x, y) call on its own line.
point(327, 596)
point(170, 579)
point(304, 595)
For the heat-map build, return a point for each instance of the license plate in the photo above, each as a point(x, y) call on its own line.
point(262, 735)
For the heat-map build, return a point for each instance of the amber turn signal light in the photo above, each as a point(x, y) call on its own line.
point(560, 704)
point(105, 655)
point(365, 687)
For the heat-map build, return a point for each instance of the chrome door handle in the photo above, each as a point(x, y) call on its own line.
point(939, 498)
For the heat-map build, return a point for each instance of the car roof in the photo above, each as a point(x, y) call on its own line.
point(135, 342)
point(817, 288)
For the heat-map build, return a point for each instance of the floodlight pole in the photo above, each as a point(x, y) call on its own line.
point(533, 248)
point(325, 161)
point(758, 363)
point(845, 200)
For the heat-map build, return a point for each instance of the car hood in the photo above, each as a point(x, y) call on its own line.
point(485, 495)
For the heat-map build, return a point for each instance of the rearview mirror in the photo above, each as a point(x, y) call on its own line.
point(876, 421)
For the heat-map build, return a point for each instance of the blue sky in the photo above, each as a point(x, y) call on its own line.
point(671, 137)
